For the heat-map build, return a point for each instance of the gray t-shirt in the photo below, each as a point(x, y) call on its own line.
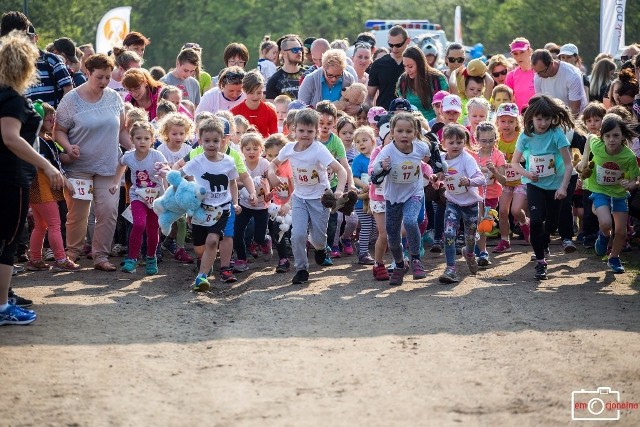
point(143, 174)
point(94, 128)
point(190, 87)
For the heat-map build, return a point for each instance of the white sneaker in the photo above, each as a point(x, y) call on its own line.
point(47, 255)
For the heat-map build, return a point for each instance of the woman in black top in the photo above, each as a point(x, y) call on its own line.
point(19, 125)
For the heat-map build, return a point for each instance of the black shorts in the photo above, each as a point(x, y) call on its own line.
point(199, 233)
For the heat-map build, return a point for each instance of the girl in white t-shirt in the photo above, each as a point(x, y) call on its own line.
point(404, 192)
point(461, 181)
point(146, 187)
point(174, 130)
point(268, 62)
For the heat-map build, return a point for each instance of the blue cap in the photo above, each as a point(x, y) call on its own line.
point(227, 126)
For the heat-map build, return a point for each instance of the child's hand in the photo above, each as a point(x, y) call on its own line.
point(338, 194)
point(69, 187)
point(386, 163)
point(561, 193)
point(284, 209)
point(74, 154)
point(628, 185)
point(533, 177)
point(491, 166)
point(237, 209)
point(464, 181)
point(253, 199)
point(114, 187)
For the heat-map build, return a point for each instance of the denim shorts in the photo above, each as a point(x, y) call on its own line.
point(616, 204)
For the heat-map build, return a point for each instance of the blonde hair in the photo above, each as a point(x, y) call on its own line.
point(202, 116)
point(142, 125)
point(334, 58)
point(241, 121)
point(367, 130)
point(478, 102)
point(277, 140)
point(282, 99)
point(18, 61)
point(135, 114)
point(174, 119)
point(252, 138)
point(502, 88)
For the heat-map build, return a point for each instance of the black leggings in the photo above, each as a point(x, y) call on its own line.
point(260, 220)
point(544, 213)
point(12, 220)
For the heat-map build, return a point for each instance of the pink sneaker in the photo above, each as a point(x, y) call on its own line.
point(347, 247)
point(503, 246)
point(335, 252)
point(266, 249)
point(182, 256)
point(526, 231)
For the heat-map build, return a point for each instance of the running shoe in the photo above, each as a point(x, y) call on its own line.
point(15, 315)
point(449, 276)
point(503, 246)
point(616, 265)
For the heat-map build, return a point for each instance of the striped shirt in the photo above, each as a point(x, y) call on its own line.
point(53, 75)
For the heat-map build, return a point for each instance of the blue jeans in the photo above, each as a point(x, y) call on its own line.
point(452, 215)
point(404, 213)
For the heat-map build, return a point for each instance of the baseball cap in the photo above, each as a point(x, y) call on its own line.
point(476, 68)
point(374, 113)
point(399, 104)
point(519, 46)
point(68, 47)
point(568, 49)
point(365, 38)
point(308, 42)
point(439, 96)
point(507, 109)
point(225, 123)
point(452, 103)
point(296, 105)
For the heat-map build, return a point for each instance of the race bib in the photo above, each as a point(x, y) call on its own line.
point(452, 183)
point(127, 214)
point(511, 174)
point(213, 215)
point(605, 176)
point(405, 173)
point(544, 165)
point(378, 190)
point(365, 178)
point(306, 176)
point(148, 195)
point(83, 188)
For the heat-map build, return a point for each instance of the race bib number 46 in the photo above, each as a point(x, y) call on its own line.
point(543, 165)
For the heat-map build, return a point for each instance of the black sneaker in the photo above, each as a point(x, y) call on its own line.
point(18, 300)
point(320, 256)
point(283, 266)
point(302, 276)
point(541, 271)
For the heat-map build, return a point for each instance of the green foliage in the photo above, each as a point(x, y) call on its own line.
point(215, 23)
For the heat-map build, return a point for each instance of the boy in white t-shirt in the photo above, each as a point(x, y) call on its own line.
point(309, 161)
point(217, 173)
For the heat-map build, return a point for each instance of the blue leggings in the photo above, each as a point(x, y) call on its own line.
point(452, 215)
point(404, 213)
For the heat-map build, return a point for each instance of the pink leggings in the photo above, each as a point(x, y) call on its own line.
point(46, 216)
point(144, 219)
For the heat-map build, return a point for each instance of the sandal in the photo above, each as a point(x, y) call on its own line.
point(105, 266)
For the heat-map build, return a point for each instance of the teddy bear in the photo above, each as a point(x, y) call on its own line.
point(355, 94)
point(284, 220)
point(182, 197)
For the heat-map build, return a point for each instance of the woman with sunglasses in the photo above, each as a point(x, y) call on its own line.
point(143, 90)
point(498, 67)
point(227, 94)
point(362, 61)
point(453, 58)
point(420, 82)
point(326, 83)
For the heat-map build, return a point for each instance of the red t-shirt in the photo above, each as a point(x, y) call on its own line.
point(264, 118)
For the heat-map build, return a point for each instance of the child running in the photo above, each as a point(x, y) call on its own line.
point(309, 160)
point(461, 181)
point(365, 141)
point(545, 149)
point(615, 174)
point(145, 188)
point(404, 192)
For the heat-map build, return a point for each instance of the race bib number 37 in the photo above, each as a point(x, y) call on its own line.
point(543, 165)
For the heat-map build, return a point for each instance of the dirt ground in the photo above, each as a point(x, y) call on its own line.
point(496, 349)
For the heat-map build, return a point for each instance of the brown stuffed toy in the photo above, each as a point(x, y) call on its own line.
point(586, 172)
point(364, 196)
point(355, 94)
point(344, 204)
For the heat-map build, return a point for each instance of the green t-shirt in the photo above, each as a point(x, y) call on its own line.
point(204, 79)
point(237, 157)
point(336, 147)
point(610, 169)
point(415, 100)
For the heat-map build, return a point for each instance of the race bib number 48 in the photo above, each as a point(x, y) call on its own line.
point(306, 176)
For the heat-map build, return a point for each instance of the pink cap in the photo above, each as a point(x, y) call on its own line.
point(439, 96)
point(375, 112)
point(519, 46)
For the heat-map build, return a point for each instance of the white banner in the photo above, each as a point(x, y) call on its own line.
point(612, 25)
point(112, 29)
point(457, 25)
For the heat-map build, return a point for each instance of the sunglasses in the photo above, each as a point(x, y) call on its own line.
point(397, 45)
point(195, 46)
point(500, 73)
point(362, 45)
point(454, 60)
point(294, 50)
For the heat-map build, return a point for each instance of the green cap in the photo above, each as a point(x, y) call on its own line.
point(37, 105)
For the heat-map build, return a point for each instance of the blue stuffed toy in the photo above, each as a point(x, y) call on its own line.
point(182, 197)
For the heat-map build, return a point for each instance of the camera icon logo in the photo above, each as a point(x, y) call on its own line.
point(602, 404)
